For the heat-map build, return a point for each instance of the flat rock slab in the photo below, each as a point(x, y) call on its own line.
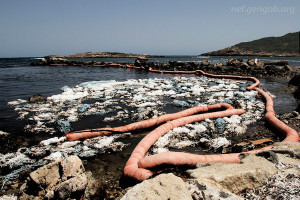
point(291, 148)
point(253, 171)
point(208, 189)
point(164, 186)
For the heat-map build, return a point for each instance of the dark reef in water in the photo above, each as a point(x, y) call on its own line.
point(252, 67)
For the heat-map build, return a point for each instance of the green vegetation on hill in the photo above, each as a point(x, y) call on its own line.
point(287, 45)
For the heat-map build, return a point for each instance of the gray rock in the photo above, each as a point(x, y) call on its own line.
point(64, 179)
point(47, 175)
point(72, 167)
point(67, 188)
point(252, 172)
point(290, 148)
point(208, 189)
point(93, 187)
point(164, 186)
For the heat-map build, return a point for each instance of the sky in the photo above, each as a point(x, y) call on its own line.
point(35, 28)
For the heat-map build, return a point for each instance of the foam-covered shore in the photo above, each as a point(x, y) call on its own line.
point(132, 100)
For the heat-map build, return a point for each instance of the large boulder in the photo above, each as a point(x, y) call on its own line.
point(65, 179)
point(254, 171)
point(164, 186)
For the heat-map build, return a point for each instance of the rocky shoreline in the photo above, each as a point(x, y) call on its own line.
point(269, 174)
point(252, 67)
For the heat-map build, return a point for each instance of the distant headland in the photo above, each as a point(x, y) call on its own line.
point(284, 46)
point(105, 55)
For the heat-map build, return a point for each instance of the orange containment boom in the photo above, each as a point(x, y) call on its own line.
point(137, 164)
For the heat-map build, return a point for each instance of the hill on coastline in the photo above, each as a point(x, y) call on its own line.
point(287, 45)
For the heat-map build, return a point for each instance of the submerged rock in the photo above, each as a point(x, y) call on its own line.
point(37, 98)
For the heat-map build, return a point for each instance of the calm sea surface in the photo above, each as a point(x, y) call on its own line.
point(19, 80)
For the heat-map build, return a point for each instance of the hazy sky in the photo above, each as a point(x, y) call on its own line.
point(170, 27)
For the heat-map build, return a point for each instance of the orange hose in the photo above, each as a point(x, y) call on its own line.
point(137, 163)
point(133, 170)
point(144, 124)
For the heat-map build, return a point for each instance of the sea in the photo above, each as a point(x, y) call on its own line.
point(19, 80)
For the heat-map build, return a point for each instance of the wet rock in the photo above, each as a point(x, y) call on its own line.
point(295, 80)
point(252, 172)
point(47, 175)
point(164, 186)
point(277, 63)
point(287, 68)
point(208, 189)
point(72, 166)
point(73, 187)
point(172, 63)
point(219, 64)
point(260, 64)
point(93, 188)
point(244, 66)
point(205, 63)
point(140, 62)
point(59, 180)
point(290, 148)
point(251, 62)
point(234, 62)
point(220, 125)
point(37, 98)
point(297, 93)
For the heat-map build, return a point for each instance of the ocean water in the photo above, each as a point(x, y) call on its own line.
point(19, 80)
